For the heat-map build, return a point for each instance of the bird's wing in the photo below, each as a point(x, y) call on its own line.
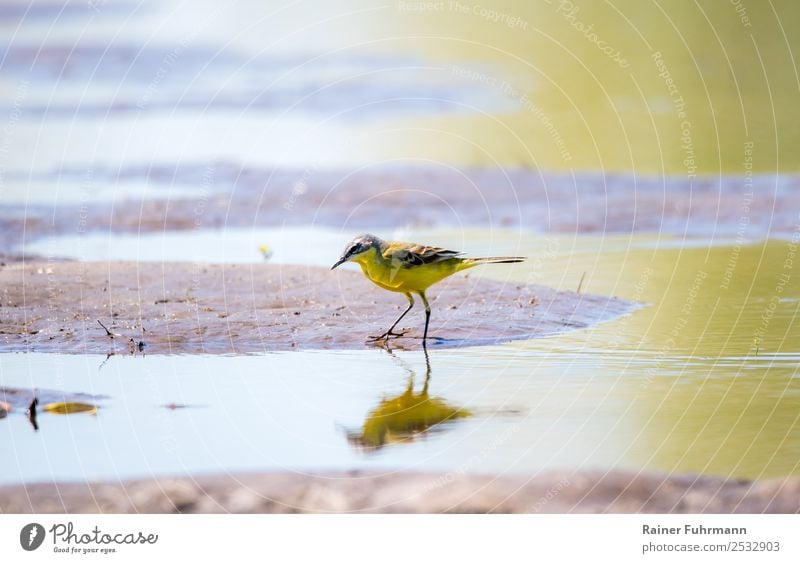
point(413, 255)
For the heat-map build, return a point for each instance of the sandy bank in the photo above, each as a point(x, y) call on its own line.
point(230, 195)
point(592, 492)
point(188, 308)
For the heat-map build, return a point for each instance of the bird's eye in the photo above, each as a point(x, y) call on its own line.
point(353, 249)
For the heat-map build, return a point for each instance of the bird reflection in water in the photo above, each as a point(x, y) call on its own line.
point(407, 416)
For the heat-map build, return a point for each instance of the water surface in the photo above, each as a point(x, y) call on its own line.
point(702, 379)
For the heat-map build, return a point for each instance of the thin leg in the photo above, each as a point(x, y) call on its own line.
point(427, 316)
point(389, 333)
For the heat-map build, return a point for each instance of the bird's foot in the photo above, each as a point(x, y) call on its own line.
point(386, 336)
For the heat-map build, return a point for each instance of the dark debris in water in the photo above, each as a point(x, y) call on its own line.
point(179, 406)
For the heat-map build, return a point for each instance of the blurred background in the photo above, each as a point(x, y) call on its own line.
point(642, 87)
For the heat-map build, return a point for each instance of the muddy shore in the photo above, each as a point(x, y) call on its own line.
point(216, 308)
point(553, 492)
point(221, 194)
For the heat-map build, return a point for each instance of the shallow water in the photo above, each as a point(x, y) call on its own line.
point(702, 379)
point(278, 411)
point(524, 410)
point(314, 246)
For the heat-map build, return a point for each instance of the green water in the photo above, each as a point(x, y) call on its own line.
point(681, 87)
point(705, 376)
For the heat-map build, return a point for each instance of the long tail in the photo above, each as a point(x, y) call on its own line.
point(498, 260)
point(470, 262)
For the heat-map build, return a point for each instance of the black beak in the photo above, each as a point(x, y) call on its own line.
point(341, 261)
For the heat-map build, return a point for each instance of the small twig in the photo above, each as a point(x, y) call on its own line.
point(580, 283)
point(108, 332)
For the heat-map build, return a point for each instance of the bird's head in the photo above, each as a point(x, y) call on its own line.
point(358, 248)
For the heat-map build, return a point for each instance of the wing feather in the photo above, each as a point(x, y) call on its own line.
point(414, 255)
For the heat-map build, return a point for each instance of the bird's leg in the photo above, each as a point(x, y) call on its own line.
point(427, 316)
point(389, 333)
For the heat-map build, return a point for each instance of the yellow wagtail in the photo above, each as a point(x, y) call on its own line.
point(408, 268)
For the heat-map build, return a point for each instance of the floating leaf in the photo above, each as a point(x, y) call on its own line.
point(69, 408)
point(266, 251)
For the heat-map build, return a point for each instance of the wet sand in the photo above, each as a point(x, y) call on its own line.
point(554, 492)
point(228, 195)
point(220, 309)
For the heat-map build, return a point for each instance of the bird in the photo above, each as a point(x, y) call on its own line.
point(409, 268)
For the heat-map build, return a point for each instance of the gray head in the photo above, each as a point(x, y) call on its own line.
point(358, 246)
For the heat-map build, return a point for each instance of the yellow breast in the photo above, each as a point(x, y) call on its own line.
point(394, 277)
